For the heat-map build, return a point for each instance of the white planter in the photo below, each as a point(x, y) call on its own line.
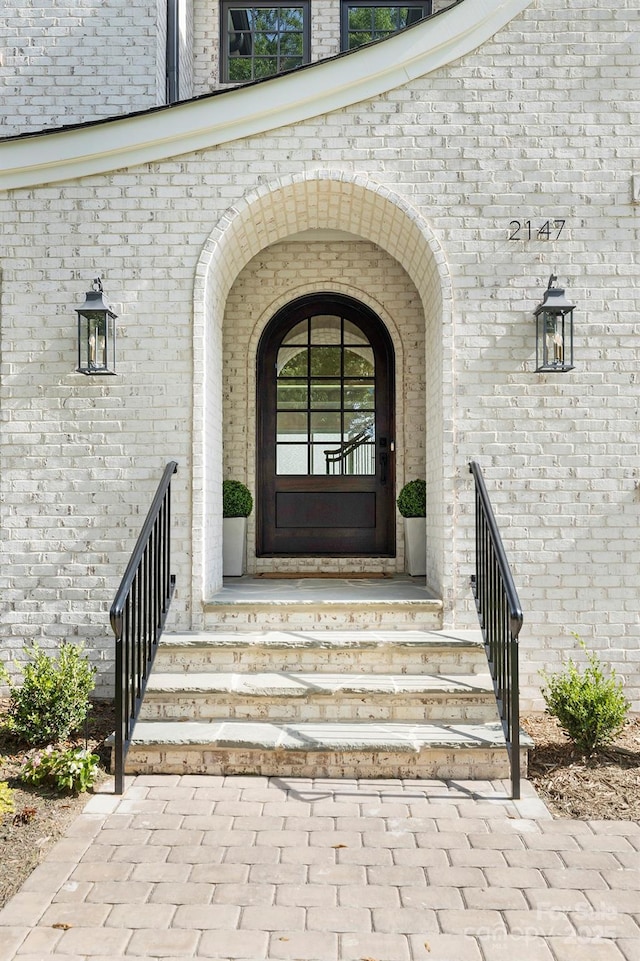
point(415, 545)
point(234, 546)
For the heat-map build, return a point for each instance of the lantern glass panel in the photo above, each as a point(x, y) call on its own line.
point(96, 342)
point(554, 340)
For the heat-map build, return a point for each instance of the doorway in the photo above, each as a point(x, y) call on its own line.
point(325, 431)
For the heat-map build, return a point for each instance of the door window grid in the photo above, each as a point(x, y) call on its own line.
point(325, 399)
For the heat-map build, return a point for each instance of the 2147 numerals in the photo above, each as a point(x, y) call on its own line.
point(523, 230)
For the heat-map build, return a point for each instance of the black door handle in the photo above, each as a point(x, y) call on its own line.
point(384, 460)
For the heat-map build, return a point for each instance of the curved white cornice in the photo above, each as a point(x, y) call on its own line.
point(246, 111)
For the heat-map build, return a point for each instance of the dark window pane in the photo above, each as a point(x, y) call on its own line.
point(239, 70)
point(360, 18)
point(266, 20)
point(265, 68)
point(292, 362)
point(291, 18)
point(250, 14)
point(414, 14)
point(366, 22)
point(297, 334)
point(353, 334)
point(292, 426)
point(386, 20)
point(359, 362)
point(325, 394)
point(325, 330)
point(266, 45)
point(291, 45)
point(359, 397)
point(325, 361)
point(325, 428)
point(358, 39)
point(272, 38)
point(292, 395)
point(359, 422)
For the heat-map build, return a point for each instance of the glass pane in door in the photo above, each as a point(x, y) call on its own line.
point(325, 399)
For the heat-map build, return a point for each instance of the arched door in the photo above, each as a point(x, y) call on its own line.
point(325, 441)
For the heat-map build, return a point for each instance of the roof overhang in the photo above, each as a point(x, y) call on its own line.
point(210, 121)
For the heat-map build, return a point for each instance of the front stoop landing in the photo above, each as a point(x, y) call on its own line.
point(406, 703)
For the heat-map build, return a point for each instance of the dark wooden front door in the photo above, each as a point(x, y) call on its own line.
point(325, 431)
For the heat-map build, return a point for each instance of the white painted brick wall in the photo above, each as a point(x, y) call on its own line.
point(64, 65)
point(539, 123)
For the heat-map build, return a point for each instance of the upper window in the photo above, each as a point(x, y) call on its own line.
point(364, 21)
point(262, 39)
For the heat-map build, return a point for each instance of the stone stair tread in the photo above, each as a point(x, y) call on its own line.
point(313, 737)
point(309, 599)
point(320, 639)
point(299, 684)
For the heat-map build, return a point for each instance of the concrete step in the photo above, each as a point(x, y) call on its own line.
point(427, 750)
point(330, 652)
point(319, 697)
point(337, 700)
point(323, 614)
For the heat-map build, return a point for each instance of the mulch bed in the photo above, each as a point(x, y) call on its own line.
point(606, 785)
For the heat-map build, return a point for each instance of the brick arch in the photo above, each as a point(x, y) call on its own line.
point(320, 200)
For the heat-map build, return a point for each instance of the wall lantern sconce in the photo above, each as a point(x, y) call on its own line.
point(554, 331)
point(96, 334)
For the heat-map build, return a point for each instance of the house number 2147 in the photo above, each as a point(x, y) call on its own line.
point(524, 230)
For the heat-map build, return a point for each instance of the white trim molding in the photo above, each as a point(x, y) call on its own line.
point(210, 121)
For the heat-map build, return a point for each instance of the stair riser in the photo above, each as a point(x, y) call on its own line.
point(327, 617)
point(396, 660)
point(469, 764)
point(380, 707)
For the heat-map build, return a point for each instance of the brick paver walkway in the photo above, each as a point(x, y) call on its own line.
point(322, 870)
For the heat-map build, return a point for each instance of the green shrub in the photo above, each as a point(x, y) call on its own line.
point(53, 699)
point(590, 707)
point(236, 499)
point(412, 499)
point(66, 770)
point(7, 804)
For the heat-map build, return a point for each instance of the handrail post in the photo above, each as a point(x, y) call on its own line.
point(515, 718)
point(119, 733)
point(501, 619)
point(138, 615)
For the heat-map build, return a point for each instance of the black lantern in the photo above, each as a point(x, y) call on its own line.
point(96, 334)
point(554, 331)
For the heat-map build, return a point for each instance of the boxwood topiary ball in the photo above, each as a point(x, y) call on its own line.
point(412, 499)
point(236, 499)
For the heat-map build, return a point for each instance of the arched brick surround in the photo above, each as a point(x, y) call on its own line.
point(319, 201)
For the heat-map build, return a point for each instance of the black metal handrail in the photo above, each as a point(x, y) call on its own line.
point(501, 618)
point(138, 614)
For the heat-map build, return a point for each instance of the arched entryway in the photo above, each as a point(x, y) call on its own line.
point(321, 205)
point(325, 431)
